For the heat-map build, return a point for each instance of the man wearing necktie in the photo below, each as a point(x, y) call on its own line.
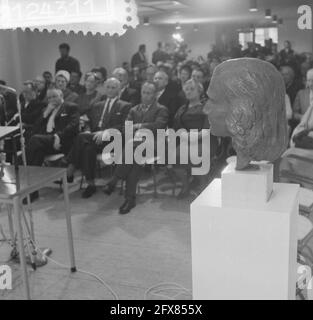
point(54, 131)
point(103, 116)
point(127, 93)
point(147, 115)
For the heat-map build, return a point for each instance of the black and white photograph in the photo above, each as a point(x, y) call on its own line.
point(156, 154)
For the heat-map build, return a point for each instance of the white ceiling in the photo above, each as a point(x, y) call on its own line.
point(206, 11)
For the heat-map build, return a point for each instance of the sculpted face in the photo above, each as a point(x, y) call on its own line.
point(217, 108)
point(247, 103)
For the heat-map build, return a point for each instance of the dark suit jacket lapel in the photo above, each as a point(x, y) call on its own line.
point(61, 110)
point(149, 113)
point(112, 111)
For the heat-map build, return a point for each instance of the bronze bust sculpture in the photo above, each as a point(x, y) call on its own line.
point(247, 103)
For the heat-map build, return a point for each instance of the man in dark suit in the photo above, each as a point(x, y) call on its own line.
point(103, 116)
point(159, 55)
point(167, 95)
point(54, 131)
point(147, 115)
point(31, 108)
point(66, 62)
point(127, 93)
point(139, 59)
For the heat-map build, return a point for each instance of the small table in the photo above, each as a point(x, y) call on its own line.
point(13, 191)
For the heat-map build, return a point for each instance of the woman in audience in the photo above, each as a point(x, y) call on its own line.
point(304, 97)
point(62, 79)
point(86, 99)
point(189, 117)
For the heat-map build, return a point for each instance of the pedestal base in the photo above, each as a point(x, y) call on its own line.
point(245, 253)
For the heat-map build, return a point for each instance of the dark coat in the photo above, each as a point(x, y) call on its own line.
point(156, 117)
point(172, 101)
point(138, 61)
point(31, 114)
point(66, 124)
point(130, 95)
point(115, 119)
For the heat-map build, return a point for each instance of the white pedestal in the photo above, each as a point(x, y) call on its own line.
point(251, 187)
point(244, 252)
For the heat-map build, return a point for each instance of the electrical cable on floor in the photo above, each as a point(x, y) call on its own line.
point(81, 271)
point(168, 286)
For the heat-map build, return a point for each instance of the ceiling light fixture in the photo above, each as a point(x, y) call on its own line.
point(253, 6)
point(268, 14)
point(146, 21)
point(178, 37)
point(178, 26)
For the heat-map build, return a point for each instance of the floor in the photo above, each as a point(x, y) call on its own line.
point(130, 253)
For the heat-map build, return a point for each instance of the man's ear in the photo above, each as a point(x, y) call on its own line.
point(240, 120)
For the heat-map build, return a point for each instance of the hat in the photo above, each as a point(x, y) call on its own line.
point(64, 74)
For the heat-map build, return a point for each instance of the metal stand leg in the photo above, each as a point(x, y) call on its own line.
point(69, 223)
point(155, 192)
point(18, 223)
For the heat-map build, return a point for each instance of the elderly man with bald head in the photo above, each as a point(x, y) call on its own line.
point(127, 93)
point(103, 116)
point(55, 130)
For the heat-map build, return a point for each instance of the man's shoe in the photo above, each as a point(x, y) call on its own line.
point(33, 197)
point(127, 206)
point(108, 189)
point(89, 191)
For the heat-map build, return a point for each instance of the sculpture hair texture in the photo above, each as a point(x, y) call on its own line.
point(257, 122)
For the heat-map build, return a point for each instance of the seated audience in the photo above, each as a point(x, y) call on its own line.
point(47, 75)
point(292, 84)
point(42, 87)
point(74, 84)
point(136, 78)
point(147, 115)
point(55, 130)
point(62, 79)
point(165, 96)
point(101, 76)
point(304, 98)
point(127, 93)
point(150, 73)
point(31, 108)
point(198, 75)
point(189, 117)
point(90, 96)
point(103, 116)
point(184, 75)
